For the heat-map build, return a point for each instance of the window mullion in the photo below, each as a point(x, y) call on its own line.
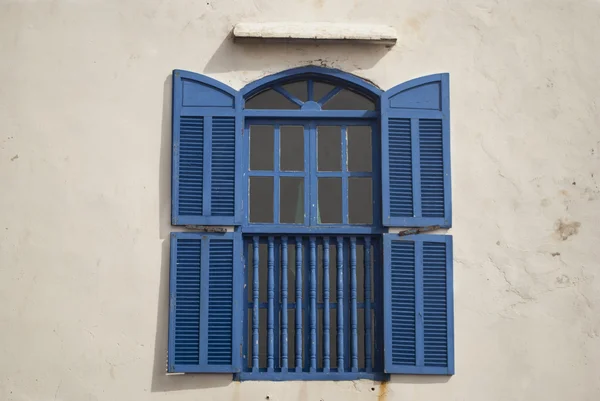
point(276, 169)
point(310, 166)
point(344, 139)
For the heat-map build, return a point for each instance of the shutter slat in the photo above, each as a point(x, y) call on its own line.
point(418, 310)
point(205, 314)
point(205, 152)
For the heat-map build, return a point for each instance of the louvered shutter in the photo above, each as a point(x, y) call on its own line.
point(418, 304)
point(205, 314)
point(415, 124)
point(206, 151)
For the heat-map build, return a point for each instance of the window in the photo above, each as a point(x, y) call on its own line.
point(289, 188)
point(333, 187)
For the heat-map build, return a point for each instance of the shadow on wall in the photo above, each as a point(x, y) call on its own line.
point(274, 57)
point(160, 381)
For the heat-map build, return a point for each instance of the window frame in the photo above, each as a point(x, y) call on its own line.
point(310, 119)
point(310, 174)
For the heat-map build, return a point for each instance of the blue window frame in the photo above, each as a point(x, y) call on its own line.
point(292, 285)
point(311, 175)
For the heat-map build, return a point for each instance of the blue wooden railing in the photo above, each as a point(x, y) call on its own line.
point(267, 348)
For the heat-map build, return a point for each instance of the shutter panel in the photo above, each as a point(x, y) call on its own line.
point(416, 153)
point(205, 315)
point(206, 151)
point(418, 304)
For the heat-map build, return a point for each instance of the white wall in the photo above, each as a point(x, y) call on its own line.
point(85, 186)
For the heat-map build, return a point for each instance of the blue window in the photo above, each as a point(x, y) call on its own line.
point(292, 189)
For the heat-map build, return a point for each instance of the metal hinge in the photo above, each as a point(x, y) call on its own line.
point(418, 230)
point(207, 229)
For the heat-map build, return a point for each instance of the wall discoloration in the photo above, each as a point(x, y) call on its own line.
point(382, 395)
point(565, 229)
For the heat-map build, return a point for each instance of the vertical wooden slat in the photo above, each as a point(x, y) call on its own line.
point(344, 147)
point(276, 179)
point(367, 292)
point(271, 305)
point(284, 304)
point(326, 322)
point(311, 197)
point(255, 303)
point(340, 303)
point(353, 308)
point(313, 304)
point(298, 304)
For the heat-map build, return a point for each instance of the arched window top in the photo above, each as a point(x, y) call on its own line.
point(311, 88)
point(310, 94)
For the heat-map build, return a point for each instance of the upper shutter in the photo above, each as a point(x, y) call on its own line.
point(205, 314)
point(415, 125)
point(206, 151)
point(418, 304)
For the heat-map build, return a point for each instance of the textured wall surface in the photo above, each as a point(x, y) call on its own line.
point(85, 187)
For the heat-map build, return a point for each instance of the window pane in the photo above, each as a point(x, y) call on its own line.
point(348, 100)
point(270, 99)
point(320, 89)
point(329, 148)
point(291, 195)
point(360, 204)
point(292, 148)
point(261, 199)
point(359, 149)
point(298, 89)
point(330, 201)
point(261, 147)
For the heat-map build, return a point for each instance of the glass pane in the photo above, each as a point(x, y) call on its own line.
point(359, 149)
point(270, 99)
point(360, 203)
point(292, 148)
point(348, 100)
point(329, 148)
point(298, 89)
point(291, 196)
point(261, 199)
point(320, 89)
point(330, 201)
point(261, 147)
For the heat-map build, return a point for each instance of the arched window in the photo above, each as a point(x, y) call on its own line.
point(320, 172)
point(294, 182)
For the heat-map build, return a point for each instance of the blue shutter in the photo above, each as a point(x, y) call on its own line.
point(418, 304)
point(206, 151)
point(415, 139)
point(205, 314)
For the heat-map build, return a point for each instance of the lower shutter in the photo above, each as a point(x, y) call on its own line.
point(205, 315)
point(418, 304)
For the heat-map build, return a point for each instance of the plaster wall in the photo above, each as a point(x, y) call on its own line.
point(85, 142)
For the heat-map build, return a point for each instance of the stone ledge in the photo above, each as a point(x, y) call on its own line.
point(314, 32)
